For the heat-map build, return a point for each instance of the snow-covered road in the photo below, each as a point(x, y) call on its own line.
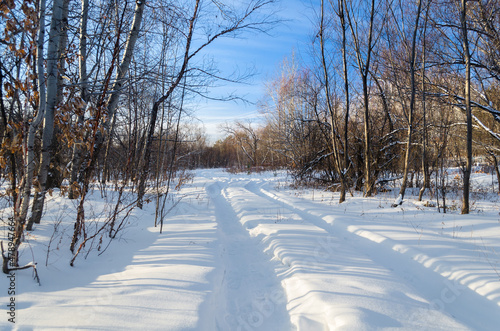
point(333, 279)
point(244, 252)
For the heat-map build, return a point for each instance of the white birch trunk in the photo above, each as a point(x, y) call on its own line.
point(50, 105)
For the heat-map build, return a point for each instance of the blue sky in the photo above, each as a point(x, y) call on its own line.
point(264, 53)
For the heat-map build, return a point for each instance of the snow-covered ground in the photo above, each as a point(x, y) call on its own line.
point(246, 252)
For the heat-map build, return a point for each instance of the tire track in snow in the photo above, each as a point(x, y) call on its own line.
point(325, 289)
point(249, 295)
point(443, 295)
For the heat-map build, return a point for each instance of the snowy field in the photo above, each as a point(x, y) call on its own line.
point(247, 252)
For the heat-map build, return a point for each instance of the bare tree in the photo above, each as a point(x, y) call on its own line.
point(76, 159)
point(409, 142)
point(338, 147)
point(343, 25)
point(364, 58)
point(468, 111)
point(425, 163)
point(121, 73)
point(233, 24)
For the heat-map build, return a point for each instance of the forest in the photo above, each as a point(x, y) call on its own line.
point(94, 94)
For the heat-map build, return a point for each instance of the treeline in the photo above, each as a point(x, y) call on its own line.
point(392, 90)
point(95, 91)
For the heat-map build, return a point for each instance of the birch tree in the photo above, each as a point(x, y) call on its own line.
point(53, 57)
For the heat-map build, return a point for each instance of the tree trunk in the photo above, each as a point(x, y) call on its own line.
point(401, 196)
point(364, 70)
point(497, 171)
point(347, 101)
point(367, 152)
point(51, 102)
point(425, 163)
point(468, 166)
point(76, 159)
point(333, 131)
point(343, 189)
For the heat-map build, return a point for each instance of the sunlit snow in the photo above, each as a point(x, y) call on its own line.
point(247, 252)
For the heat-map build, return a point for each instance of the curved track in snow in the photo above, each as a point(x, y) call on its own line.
point(335, 276)
point(247, 292)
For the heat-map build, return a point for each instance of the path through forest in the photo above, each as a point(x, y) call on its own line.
point(332, 278)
